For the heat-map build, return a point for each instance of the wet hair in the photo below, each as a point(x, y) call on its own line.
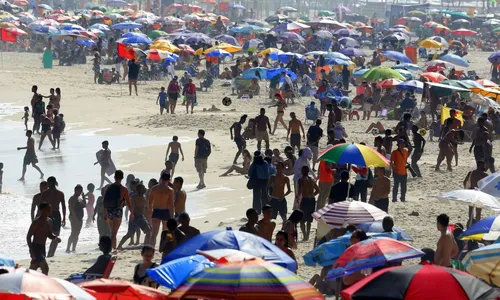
point(147, 248)
point(105, 244)
point(284, 235)
point(443, 220)
point(296, 216)
point(165, 176)
point(359, 234)
point(201, 132)
point(179, 180)
point(388, 223)
point(52, 181)
point(171, 224)
point(119, 174)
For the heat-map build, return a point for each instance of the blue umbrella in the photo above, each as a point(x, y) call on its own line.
point(45, 29)
point(285, 57)
point(252, 73)
point(407, 74)
point(277, 71)
point(227, 39)
point(197, 38)
point(171, 59)
point(175, 272)
point(455, 59)
point(349, 42)
point(473, 83)
point(360, 72)
point(352, 52)
point(236, 6)
point(218, 53)
point(231, 239)
point(337, 62)
point(253, 44)
point(133, 34)
point(102, 27)
point(347, 32)
point(136, 39)
point(376, 227)
point(408, 66)
point(291, 36)
point(6, 262)
point(126, 25)
point(87, 43)
point(338, 55)
point(395, 55)
point(494, 58)
point(486, 229)
point(71, 27)
point(411, 85)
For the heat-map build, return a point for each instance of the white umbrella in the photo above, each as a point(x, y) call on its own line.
point(471, 198)
point(349, 212)
point(490, 185)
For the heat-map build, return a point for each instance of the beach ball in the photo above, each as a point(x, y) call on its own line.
point(226, 101)
point(375, 131)
point(423, 132)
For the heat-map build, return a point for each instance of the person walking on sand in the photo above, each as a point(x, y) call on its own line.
point(307, 191)
point(202, 151)
point(139, 221)
point(30, 155)
point(237, 138)
point(161, 205)
point(276, 188)
point(40, 229)
point(258, 177)
point(314, 134)
point(418, 149)
point(104, 159)
point(173, 91)
point(173, 149)
point(399, 159)
point(162, 100)
point(133, 75)
point(280, 112)
point(261, 125)
point(55, 197)
point(189, 92)
point(470, 182)
point(76, 204)
point(446, 248)
point(113, 203)
point(293, 132)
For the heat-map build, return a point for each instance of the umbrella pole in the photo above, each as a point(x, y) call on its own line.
point(338, 285)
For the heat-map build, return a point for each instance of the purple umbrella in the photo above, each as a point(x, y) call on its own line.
point(291, 36)
point(352, 52)
point(396, 56)
point(494, 58)
point(342, 9)
point(196, 38)
point(227, 39)
point(349, 42)
point(346, 32)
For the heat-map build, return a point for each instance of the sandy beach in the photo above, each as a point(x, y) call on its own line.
point(138, 138)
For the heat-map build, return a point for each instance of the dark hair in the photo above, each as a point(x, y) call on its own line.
point(175, 138)
point(268, 159)
point(388, 132)
point(44, 206)
point(443, 219)
point(296, 216)
point(344, 175)
point(52, 181)
point(171, 224)
point(251, 211)
point(183, 216)
point(119, 174)
point(78, 187)
point(266, 208)
point(318, 122)
point(165, 176)
point(350, 228)
point(243, 117)
point(147, 248)
point(359, 234)
point(179, 179)
point(43, 183)
point(201, 132)
point(105, 244)
point(387, 224)
point(284, 235)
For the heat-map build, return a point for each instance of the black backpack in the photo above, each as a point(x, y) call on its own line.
point(204, 149)
point(112, 196)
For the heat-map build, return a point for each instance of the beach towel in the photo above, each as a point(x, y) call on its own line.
point(47, 59)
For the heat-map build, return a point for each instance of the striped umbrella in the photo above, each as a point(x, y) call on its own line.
point(247, 280)
point(356, 154)
point(349, 212)
point(484, 263)
point(485, 229)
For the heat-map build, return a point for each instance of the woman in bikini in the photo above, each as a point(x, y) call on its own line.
point(140, 275)
point(247, 159)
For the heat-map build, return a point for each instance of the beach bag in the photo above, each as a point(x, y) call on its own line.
point(112, 196)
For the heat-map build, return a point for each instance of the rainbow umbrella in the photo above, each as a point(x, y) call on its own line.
point(483, 263)
point(246, 280)
point(356, 154)
point(485, 229)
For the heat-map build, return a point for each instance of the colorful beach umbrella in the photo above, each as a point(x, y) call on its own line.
point(388, 83)
point(418, 282)
point(487, 83)
point(291, 36)
point(7, 262)
point(247, 280)
point(126, 25)
point(232, 239)
point(156, 34)
point(490, 184)
point(396, 56)
point(463, 32)
point(483, 263)
point(380, 73)
point(349, 42)
point(253, 45)
point(471, 198)
point(349, 212)
point(430, 44)
point(370, 253)
point(164, 45)
point(411, 85)
point(406, 74)
point(487, 229)
point(218, 53)
point(376, 227)
point(412, 67)
point(356, 154)
point(433, 76)
point(352, 52)
point(252, 73)
point(228, 39)
point(455, 59)
point(121, 289)
point(495, 57)
point(224, 46)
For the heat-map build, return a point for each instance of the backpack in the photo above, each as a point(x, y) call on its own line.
point(112, 196)
point(204, 148)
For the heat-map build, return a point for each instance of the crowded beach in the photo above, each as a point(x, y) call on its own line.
point(304, 153)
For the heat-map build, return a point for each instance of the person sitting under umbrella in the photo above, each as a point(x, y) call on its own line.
point(357, 236)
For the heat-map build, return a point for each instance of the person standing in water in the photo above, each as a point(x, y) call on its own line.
point(55, 197)
point(237, 138)
point(161, 205)
point(90, 202)
point(76, 204)
point(104, 159)
point(30, 156)
point(173, 149)
point(57, 129)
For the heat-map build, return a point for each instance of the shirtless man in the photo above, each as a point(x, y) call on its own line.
point(470, 182)
point(173, 149)
point(307, 191)
point(54, 198)
point(104, 160)
point(252, 217)
point(276, 185)
point(367, 101)
point(454, 124)
point(37, 199)
point(380, 190)
point(161, 205)
point(280, 111)
point(293, 134)
point(113, 201)
point(188, 230)
point(39, 231)
point(446, 246)
point(265, 227)
point(30, 156)
point(179, 196)
point(261, 126)
point(445, 147)
point(139, 220)
point(237, 138)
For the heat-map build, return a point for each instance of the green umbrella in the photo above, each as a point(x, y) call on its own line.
point(156, 34)
point(458, 14)
point(457, 83)
point(326, 13)
point(381, 73)
point(496, 29)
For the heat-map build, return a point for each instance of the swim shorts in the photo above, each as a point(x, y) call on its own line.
point(114, 213)
point(162, 214)
point(56, 222)
point(240, 142)
point(139, 221)
point(295, 139)
point(173, 157)
point(30, 158)
point(37, 253)
point(200, 164)
point(308, 206)
point(261, 135)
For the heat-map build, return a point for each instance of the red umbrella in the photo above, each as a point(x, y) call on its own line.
point(486, 83)
point(417, 282)
point(106, 289)
point(186, 48)
point(433, 76)
point(389, 83)
point(463, 32)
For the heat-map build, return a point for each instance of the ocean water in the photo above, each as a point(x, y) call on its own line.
point(72, 164)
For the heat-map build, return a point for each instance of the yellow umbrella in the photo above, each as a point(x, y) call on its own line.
point(428, 44)
point(4, 14)
point(224, 46)
point(198, 52)
point(164, 45)
point(268, 51)
point(7, 25)
point(487, 92)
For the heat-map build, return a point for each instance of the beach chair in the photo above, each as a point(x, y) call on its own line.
point(109, 267)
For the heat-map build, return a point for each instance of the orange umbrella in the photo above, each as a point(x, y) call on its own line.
point(389, 83)
point(433, 76)
point(486, 83)
point(431, 24)
point(106, 289)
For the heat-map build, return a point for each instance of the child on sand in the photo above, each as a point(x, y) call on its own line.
point(162, 99)
point(90, 202)
point(26, 117)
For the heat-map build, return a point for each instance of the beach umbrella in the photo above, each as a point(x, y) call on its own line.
point(249, 279)
point(235, 6)
point(380, 73)
point(145, 21)
point(291, 36)
point(388, 83)
point(463, 32)
point(491, 22)
point(44, 7)
point(121, 289)
point(396, 56)
point(487, 229)
point(289, 26)
point(417, 282)
point(473, 83)
point(457, 83)
point(352, 52)
point(126, 25)
point(174, 273)
point(27, 19)
point(360, 72)
point(337, 55)
point(430, 44)
point(277, 71)
point(347, 32)
point(393, 38)
point(406, 74)
point(252, 73)
point(7, 25)
point(102, 27)
point(253, 45)
point(156, 34)
point(170, 20)
point(135, 39)
point(231, 239)
point(433, 76)
point(87, 43)
point(224, 46)
point(408, 66)
point(45, 30)
point(164, 45)
point(219, 53)
point(376, 227)
point(34, 285)
point(483, 263)
point(287, 9)
point(326, 22)
point(411, 85)
point(276, 18)
point(325, 13)
point(349, 42)
point(487, 84)
point(443, 90)
point(455, 59)
point(69, 26)
point(16, 31)
point(431, 24)
point(373, 252)
point(471, 198)
point(324, 34)
point(349, 212)
point(68, 37)
point(439, 39)
point(490, 184)
point(227, 39)
point(155, 54)
point(461, 22)
point(285, 57)
point(7, 262)
point(487, 92)
point(268, 51)
point(357, 154)
point(185, 48)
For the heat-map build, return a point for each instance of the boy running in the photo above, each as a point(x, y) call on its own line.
point(162, 99)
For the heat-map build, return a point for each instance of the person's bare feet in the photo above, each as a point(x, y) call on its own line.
point(21, 179)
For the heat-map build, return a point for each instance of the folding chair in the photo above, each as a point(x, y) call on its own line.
point(109, 267)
